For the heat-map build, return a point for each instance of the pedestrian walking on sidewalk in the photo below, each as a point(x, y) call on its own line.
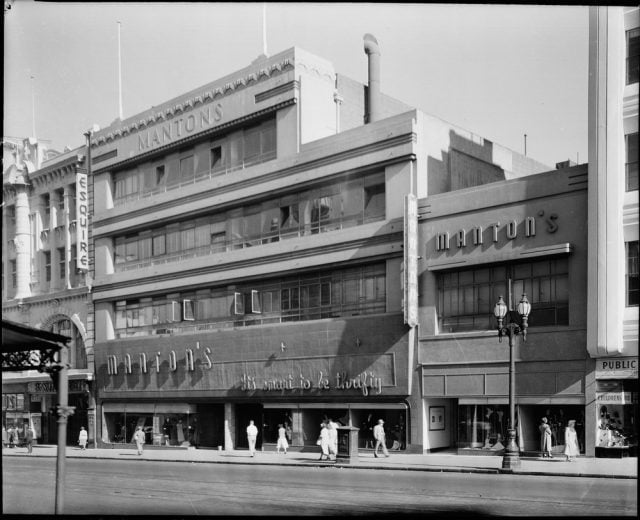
point(138, 437)
point(282, 439)
point(324, 441)
point(31, 435)
point(83, 438)
point(545, 438)
point(252, 435)
point(11, 434)
point(571, 447)
point(379, 436)
point(333, 439)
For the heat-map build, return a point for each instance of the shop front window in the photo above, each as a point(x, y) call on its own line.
point(617, 415)
point(271, 420)
point(395, 427)
point(162, 425)
point(484, 427)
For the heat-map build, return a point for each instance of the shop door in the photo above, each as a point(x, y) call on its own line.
point(210, 418)
point(244, 414)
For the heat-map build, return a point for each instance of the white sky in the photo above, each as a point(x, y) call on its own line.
point(500, 71)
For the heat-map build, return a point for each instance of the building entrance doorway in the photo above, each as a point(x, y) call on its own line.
point(244, 414)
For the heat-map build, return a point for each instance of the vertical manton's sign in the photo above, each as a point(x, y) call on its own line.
point(82, 221)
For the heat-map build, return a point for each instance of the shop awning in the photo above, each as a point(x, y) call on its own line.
point(341, 406)
point(25, 347)
point(29, 376)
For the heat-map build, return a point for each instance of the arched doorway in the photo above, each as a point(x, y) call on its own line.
point(78, 389)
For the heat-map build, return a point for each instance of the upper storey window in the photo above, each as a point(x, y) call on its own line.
point(631, 165)
point(338, 205)
point(466, 297)
point(632, 276)
point(633, 55)
point(225, 154)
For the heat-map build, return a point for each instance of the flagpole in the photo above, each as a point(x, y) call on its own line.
point(119, 76)
point(264, 28)
point(33, 109)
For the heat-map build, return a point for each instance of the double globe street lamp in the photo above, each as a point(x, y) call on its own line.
point(511, 323)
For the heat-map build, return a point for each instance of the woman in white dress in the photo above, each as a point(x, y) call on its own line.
point(571, 447)
point(282, 439)
point(325, 439)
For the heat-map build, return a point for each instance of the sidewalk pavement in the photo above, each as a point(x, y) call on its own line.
point(438, 462)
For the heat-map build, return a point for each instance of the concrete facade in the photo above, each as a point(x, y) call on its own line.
point(612, 333)
point(241, 351)
point(524, 226)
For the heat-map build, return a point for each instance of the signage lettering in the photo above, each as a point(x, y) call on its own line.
point(179, 127)
point(82, 221)
point(47, 387)
point(366, 382)
point(443, 241)
point(617, 368)
point(113, 362)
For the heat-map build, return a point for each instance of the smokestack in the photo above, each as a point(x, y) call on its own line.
point(373, 51)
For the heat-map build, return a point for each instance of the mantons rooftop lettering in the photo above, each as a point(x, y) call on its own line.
point(180, 127)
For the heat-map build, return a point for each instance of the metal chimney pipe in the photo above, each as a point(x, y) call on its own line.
point(373, 51)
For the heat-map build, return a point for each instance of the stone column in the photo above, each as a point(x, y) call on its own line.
point(22, 241)
point(297, 439)
point(229, 426)
point(66, 221)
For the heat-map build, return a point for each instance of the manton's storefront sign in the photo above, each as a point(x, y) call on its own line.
point(476, 234)
point(154, 361)
point(198, 367)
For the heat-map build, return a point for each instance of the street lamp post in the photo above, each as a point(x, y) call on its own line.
point(516, 323)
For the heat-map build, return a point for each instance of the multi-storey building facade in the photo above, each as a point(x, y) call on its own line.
point(247, 255)
point(612, 336)
point(44, 262)
point(504, 239)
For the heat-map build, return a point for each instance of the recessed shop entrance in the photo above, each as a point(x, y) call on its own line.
point(244, 414)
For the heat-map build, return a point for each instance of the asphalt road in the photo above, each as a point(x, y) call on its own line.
point(123, 487)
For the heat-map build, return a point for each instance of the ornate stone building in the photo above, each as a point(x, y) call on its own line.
point(44, 277)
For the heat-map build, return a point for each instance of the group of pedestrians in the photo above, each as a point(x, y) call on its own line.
point(571, 445)
point(11, 437)
point(327, 440)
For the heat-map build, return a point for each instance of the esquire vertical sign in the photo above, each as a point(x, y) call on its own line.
point(82, 221)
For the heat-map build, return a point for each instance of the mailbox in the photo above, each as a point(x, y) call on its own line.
point(347, 444)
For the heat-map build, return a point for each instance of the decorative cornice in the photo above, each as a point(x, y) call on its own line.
point(204, 97)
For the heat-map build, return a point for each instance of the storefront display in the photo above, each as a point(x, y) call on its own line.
point(484, 427)
point(163, 425)
point(617, 403)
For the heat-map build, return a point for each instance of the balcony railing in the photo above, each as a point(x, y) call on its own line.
point(248, 320)
point(236, 243)
point(198, 177)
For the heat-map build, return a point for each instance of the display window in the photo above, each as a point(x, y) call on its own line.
point(484, 426)
point(272, 418)
point(617, 402)
point(163, 425)
point(306, 430)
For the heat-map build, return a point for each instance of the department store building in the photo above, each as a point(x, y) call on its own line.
point(522, 236)
point(247, 254)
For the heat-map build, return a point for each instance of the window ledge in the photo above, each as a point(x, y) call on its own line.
point(490, 333)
